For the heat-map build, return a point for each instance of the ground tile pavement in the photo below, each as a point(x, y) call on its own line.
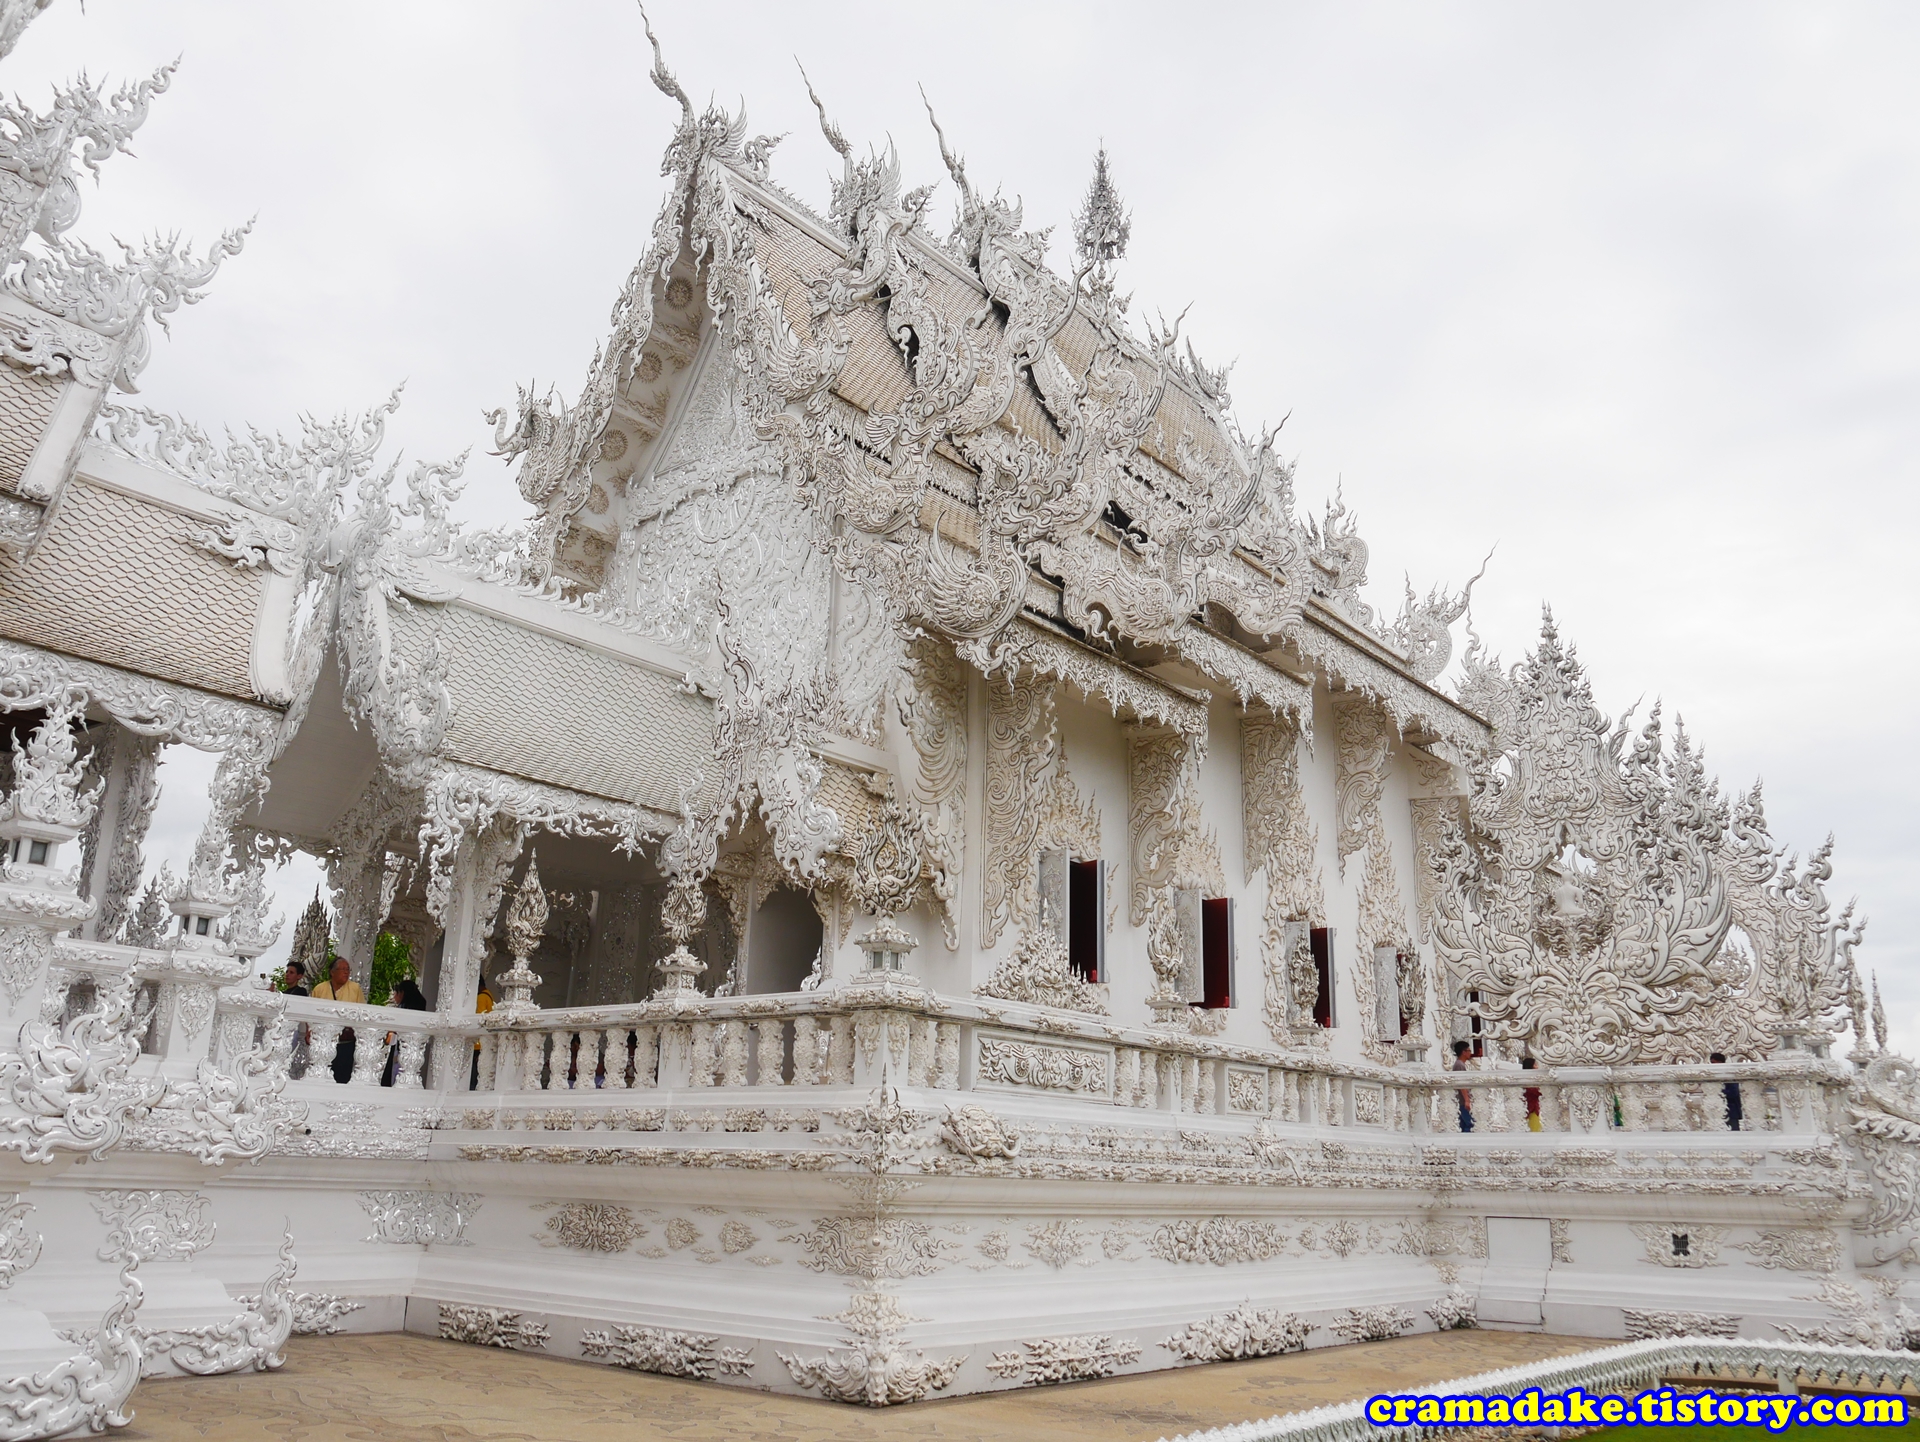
point(395, 1387)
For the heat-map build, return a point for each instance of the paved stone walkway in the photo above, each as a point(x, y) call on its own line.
point(394, 1387)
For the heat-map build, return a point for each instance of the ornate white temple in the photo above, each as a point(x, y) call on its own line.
point(974, 896)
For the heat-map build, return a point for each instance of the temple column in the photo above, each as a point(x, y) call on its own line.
point(114, 863)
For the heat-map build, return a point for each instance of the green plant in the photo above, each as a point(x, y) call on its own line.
point(392, 963)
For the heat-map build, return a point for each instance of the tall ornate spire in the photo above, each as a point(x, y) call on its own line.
point(1100, 230)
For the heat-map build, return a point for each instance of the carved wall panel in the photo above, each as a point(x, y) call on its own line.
point(1020, 748)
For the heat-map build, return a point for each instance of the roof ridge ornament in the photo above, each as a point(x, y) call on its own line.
point(15, 17)
point(663, 78)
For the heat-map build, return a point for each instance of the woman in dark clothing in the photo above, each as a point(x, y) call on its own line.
point(408, 996)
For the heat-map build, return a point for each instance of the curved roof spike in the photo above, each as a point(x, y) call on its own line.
point(662, 77)
point(1467, 594)
point(956, 164)
point(827, 128)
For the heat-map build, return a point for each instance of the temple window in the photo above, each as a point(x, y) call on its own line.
point(1216, 951)
point(1320, 940)
point(1086, 903)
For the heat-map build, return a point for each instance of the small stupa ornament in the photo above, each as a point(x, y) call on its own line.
point(526, 924)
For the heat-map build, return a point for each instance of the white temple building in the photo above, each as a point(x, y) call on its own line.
point(974, 897)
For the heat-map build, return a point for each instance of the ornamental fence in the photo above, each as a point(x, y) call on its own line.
point(1619, 1371)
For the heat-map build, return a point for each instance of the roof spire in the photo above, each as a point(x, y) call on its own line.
point(1100, 229)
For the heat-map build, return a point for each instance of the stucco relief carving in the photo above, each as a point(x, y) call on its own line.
point(1051, 1068)
point(873, 1366)
point(420, 1218)
point(1681, 1244)
point(1372, 1324)
point(1643, 1325)
point(1795, 1250)
point(1245, 1331)
point(72, 1085)
point(589, 1226)
point(933, 710)
point(1606, 936)
point(492, 1327)
point(1020, 748)
point(254, 1341)
point(155, 1225)
point(667, 1352)
point(1064, 1359)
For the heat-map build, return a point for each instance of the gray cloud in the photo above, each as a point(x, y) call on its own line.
point(1629, 289)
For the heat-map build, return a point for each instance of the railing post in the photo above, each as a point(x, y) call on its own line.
point(413, 1057)
point(769, 1052)
point(646, 1058)
point(323, 1039)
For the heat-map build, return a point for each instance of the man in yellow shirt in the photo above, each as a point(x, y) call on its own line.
point(482, 1004)
point(340, 986)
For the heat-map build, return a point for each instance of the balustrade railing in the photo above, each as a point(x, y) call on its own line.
point(773, 1044)
point(1796, 1093)
point(859, 1039)
point(391, 1046)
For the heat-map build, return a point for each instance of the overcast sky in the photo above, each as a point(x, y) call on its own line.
point(1630, 290)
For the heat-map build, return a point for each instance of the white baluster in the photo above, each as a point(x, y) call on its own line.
point(840, 1052)
point(806, 1051)
point(733, 1054)
point(324, 1040)
point(646, 1058)
point(1126, 1075)
point(413, 1056)
point(769, 1055)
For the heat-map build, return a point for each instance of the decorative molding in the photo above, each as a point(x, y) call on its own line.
point(975, 1132)
point(1039, 972)
point(31, 678)
point(1220, 1241)
point(19, 1248)
point(934, 711)
point(1456, 1310)
point(315, 1314)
